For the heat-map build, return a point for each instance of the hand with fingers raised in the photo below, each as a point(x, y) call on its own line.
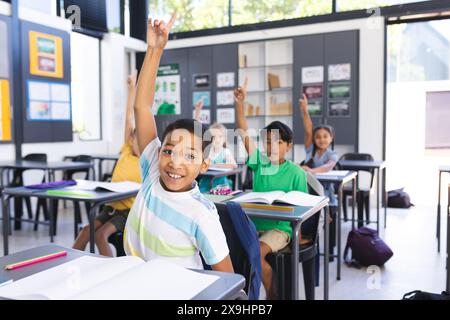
point(158, 32)
point(241, 93)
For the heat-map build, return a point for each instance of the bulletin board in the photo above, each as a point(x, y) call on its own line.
point(46, 84)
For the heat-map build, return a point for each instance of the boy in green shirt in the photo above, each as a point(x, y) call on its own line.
point(272, 172)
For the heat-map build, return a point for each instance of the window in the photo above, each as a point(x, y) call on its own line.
point(437, 134)
point(85, 86)
point(348, 5)
point(192, 14)
point(254, 11)
point(113, 15)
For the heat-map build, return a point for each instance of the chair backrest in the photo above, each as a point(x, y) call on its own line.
point(68, 174)
point(361, 157)
point(243, 263)
point(248, 182)
point(40, 157)
point(311, 226)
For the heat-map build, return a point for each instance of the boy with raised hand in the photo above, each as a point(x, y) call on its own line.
point(170, 218)
point(272, 172)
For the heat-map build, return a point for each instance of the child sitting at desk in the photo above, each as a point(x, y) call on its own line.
point(170, 218)
point(219, 155)
point(113, 216)
point(272, 172)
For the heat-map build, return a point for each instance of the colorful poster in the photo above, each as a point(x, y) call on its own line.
point(5, 115)
point(313, 91)
point(339, 72)
point(205, 96)
point(339, 109)
point(49, 101)
point(225, 98)
point(205, 116)
point(226, 115)
point(46, 55)
point(201, 81)
point(339, 90)
point(315, 108)
point(167, 91)
point(312, 74)
point(225, 80)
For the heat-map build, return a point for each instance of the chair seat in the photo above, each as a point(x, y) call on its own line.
point(306, 252)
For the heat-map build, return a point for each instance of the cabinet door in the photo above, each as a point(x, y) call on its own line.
point(225, 61)
point(308, 52)
point(343, 48)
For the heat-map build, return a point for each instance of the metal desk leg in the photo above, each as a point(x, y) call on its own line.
point(338, 226)
point(91, 217)
point(384, 197)
point(326, 261)
point(295, 258)
point(378, 201)
point(438, 222)
point(448, 242)
point(51, 218)
point(353, 203)
point(100, 171)
point(5, 216)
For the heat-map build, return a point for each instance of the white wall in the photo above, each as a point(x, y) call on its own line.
point(371, 79)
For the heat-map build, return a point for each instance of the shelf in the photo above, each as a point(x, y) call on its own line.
point(279, 66)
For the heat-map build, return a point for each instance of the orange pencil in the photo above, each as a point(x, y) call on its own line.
point(35, 260)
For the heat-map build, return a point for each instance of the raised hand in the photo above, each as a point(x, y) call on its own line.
point(199, 105)
point(158, 32)
point(241, 93)
point(304, 103)
point(131, 81)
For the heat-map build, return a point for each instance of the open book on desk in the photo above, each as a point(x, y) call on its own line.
point(295, 198)
point(124, 186)
point(124, 278)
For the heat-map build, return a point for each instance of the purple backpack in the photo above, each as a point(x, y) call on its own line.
point(367, 248)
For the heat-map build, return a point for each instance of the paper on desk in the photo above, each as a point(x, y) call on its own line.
point(124, 186)
point(334, 173)
point(154, 280)
point(220, 169)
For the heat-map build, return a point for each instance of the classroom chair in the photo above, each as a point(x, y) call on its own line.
point(362, 193)
point(248, 180)
point(308, 255)
point(116, 239)
point(17, 182)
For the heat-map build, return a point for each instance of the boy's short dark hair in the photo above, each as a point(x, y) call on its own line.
point(284, 131)
point(193, 126)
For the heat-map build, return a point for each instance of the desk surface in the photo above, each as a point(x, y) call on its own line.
point(219, 173)
point(361, 164)
point(59, 165)
point(226, 287)
point(337, 179)
point(94, 196)
point(99, 156)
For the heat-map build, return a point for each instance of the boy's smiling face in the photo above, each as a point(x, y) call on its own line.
point(276, 148)
point(181, 160)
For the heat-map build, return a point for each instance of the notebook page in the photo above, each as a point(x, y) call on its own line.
point(124, 186)
point(302, 199)
point(154, 280)
point(264, 197)
point(68, 279)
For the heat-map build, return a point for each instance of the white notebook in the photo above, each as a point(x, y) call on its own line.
point(124, 278)
point(295, 198)
point(124, 186)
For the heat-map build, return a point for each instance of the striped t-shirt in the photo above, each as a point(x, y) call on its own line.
point(172, 225)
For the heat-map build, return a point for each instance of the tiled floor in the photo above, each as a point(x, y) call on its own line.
point(410, 233)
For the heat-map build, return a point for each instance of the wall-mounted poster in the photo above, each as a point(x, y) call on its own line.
point(226, 115)
point(339, 72)
point(5, 115)
point(201, 81)
point(225, 80)
point(313, 91)
point(315, 108)
point(312, 74)
point(225, 98)
point(167, 91)
point(205, 96)
point(339, 108)
point(49, 101)
point(46, 55)
point(339, 90)
point(205, 116)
